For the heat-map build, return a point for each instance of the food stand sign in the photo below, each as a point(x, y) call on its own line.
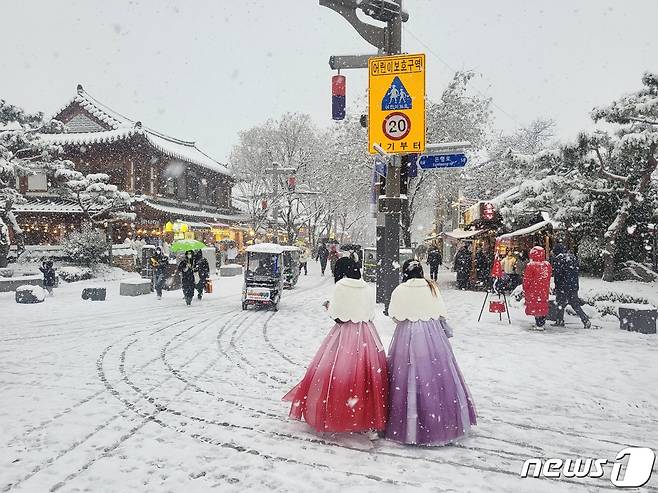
point(488, 211)
point(396, 103)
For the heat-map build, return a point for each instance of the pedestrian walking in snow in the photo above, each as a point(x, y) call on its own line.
point(463, 266)
point(322, 256)
point(565, 272)
point(429, 402)
point(159, 262)
point(537, 286)
point(48, 272)
point(202, 271)
point(189, 278)
point(434, 259)
point(334, 255)
point(345, 387)
point(303, 260)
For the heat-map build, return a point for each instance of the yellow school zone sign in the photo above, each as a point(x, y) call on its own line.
point(396, 103)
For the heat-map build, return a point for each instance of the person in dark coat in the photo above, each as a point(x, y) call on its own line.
point(159, 263)
point(48, 276)
point(322, 256)
point(434, 260)
point(202, 269)
point(186, 269)
point(482, 266)
point(463, 266)
point(565, 274)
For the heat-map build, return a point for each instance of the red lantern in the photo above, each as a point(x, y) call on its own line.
point(488, 211)
point(263, 204)
point(497, 269)
point(292, 183)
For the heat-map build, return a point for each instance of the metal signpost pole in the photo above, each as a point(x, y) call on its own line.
point(389, 266)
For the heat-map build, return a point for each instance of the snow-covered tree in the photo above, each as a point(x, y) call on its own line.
point(291, 141)
point(85, 247)
point(22, 154)
point(460, 115)
point(632, 161)
point(102, 202)
point(499, 171)
point(601, 187)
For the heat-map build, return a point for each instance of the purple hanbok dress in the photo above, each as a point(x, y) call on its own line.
point(429, 402)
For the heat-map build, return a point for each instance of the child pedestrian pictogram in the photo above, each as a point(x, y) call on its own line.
point(397, 97)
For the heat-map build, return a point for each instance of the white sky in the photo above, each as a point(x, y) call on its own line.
point(204, 70)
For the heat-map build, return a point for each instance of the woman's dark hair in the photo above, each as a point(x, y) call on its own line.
point(346, 267)
point(411, 269)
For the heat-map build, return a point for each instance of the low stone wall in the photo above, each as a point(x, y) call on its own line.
point(8, 284)
point(125, 262)
point(136, 287)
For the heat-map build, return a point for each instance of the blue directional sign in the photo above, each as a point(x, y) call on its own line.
point(380, 167)
point(397, 97)
point(443, 161)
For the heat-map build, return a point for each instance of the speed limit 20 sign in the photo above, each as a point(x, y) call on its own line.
point(396, 103)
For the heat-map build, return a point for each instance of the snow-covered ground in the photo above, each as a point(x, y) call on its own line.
point(135, 394)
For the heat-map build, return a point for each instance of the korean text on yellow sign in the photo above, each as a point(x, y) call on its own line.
point(396, 103)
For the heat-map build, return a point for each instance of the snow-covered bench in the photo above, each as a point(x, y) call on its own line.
point(638, 318)
point(135, 287)
point(29, 294)
point(230, 270)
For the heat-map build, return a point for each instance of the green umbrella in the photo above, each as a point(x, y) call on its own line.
point(185, 245)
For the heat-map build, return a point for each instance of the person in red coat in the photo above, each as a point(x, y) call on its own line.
point(536, 286)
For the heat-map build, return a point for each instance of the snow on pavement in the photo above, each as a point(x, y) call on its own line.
point(136, 394)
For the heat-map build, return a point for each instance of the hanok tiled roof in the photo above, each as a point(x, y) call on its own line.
point(122, 128)
point(48, 205)
point(185, 213)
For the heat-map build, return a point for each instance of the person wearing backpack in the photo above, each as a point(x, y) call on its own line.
point(565, 275)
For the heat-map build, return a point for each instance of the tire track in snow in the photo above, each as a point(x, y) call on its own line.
point(47, 463)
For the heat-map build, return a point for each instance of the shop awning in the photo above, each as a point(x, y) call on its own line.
point(460, 234)
point(196, 225)
point(526, 231)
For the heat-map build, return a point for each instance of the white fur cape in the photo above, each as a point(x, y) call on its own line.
point(413, 300)
point(352, 300)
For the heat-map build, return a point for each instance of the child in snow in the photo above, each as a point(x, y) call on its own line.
point(429, 402)
point(345, 387)
point(48, 276)
point(536, 286)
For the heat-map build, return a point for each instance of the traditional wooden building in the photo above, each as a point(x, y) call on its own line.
point(171, 179)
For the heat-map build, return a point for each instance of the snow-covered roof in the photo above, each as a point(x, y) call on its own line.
point(122, 127)
point(290, 248)
point(266, 248)
point(526, 231)
point(460, 234)
point(179, 211)
point(507, 194)
point(48, 205)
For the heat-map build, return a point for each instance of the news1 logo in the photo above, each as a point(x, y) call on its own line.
point(639, 467)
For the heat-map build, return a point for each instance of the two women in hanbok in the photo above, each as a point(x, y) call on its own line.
point(417, 397)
